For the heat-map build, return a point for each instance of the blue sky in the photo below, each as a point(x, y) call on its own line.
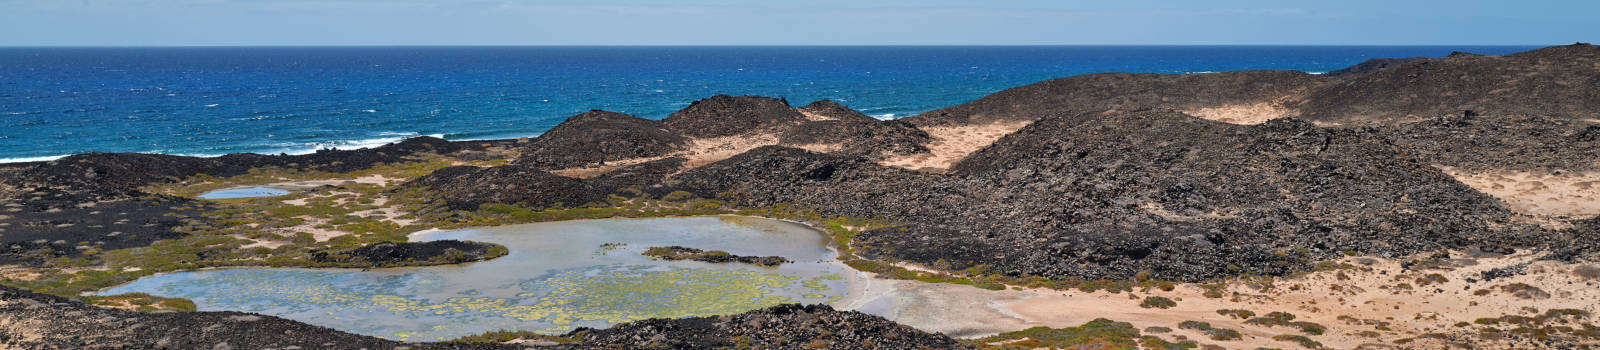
point(785, 22)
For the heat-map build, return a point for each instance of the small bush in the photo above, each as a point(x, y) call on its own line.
point(1156, 302)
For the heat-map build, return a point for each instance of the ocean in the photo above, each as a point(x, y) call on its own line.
point(212, 101)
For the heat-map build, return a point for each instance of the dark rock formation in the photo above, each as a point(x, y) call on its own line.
point(1123, 91)
point(1372, 65)
point(109, 176)
point(45, 223)
point(468, 187)
point(1552, 82)
point(779, 327)
point(714, 256)
point(1502, 142)
point(724, 115)
point(389, 254)
point(643, 177)
point(598, 136)
point(95, 198)
point(855, 133)
point(1109, 195)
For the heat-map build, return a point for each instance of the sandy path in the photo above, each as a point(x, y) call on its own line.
point(952, 143)
point(1541, 194)
point(1243, 114)
point(1351, 303)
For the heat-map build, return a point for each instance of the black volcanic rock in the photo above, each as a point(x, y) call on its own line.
point(468, 187)
point(1175, 192)
point(1109, 195)
point(724, 115)
point(1372, 65)
point(595, 137)
point(856, 133)
point(44, 223)
point(1499, 142)
point(1552, 82)
point(108, 176)
point(645, 177)
point(788, 326)
point(1123, 91)
point(387, 254)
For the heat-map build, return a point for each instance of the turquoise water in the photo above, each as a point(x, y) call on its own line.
point(212, 101)
point(558, 276)
point(247, 192)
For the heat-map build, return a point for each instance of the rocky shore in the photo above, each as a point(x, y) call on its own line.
point(1182, 178)
point(714, 256)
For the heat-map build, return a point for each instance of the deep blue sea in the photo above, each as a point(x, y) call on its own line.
point(211, 101)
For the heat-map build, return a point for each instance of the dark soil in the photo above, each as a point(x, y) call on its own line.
point(47, 223)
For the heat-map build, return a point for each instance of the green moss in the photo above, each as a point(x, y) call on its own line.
point(1097, 334)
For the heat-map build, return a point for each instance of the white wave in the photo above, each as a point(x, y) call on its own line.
point(212, 105)
point(31, 159)
point(385, 138)
point(370, 110)
point(885, 116)
point(1317, 73)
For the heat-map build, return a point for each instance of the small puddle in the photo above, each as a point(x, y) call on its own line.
point(247, 192)
point(558, 276)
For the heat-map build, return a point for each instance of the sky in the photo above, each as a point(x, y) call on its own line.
point(794, 22)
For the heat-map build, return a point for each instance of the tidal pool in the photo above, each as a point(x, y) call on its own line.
point(558, 276)
point(247, 192)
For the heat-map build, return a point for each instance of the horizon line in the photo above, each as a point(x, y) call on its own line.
point(762, 45)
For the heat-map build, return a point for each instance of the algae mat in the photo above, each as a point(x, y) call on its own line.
point(559, 276)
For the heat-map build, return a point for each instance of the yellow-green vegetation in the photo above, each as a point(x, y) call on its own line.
point(143, 302)
point(1097, 334)
point(1157, 302)
point(1298, 339)
point(502, 336)
point(1550, 324)
point(1284, 319)
point(1237, 313)
point(1219, 334)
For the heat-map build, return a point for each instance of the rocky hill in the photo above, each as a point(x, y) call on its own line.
point(598, 136)
point(1125, 91)
point(1551, 82)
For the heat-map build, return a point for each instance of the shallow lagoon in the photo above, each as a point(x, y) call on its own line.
point(246, 192)
point(558, 276)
